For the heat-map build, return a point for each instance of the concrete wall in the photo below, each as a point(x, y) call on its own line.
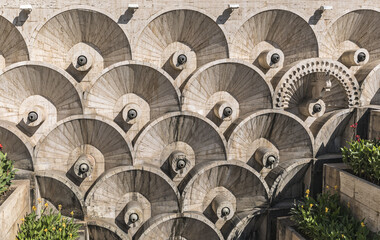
point(285, 230)
point(14, 209)
point(230, 130)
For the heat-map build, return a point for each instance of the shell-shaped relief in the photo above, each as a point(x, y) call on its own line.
point(268, 139)
point(353, 39)
point(225, 90)
point(313, 88)
point(17, 146)
point(132, 94)
point(185, 226)
point(176, 142)
point(223, 190)
point(129, 196)
point(54, 188)
point(190, 139)
point(34, 96)
point(369, 78)
point(180, 41)
point(98, 229)
point(274, 38)
point(12, 44)
point(82, 148)
point(81, 41)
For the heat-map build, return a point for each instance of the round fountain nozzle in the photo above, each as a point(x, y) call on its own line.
point(132, 114)
point(227, 111)
point(181, 164)
point(83, 168)
point(82, 60)
point(275, 58)
point(32, 116)
point(182, 59)
point(361, 57)
point(225, 211)
point(271, 159)
point(317, 108)
point(134, 217)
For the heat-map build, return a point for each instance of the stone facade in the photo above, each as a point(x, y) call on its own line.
point(182, 119)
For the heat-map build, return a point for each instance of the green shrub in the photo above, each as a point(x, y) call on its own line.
point(324, 218)
point(363, 156)
point(7, 173)
point(50, 226)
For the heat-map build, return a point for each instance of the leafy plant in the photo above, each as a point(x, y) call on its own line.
point(7, 172)
point(325, 218)
point(363, 156)
point(51, 225)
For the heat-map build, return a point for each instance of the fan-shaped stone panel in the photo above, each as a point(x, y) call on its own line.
point(83, 148)
point(16, 145)
point(12, 44)
point(131, 195)
point(242, 225)
point(99, 230)
point(35, 87)
point(369, 77)
point(175, 136)
point(246, 184)
point(67, 36)
point(354, 30)
point(54, 187)
point(275, 29)
point(314, 87)
point(231, 185)
point(177, 33)
point(185, 226)
point(331, 131)
point(270, 133)
point(216, 83)
point(128, 84)
point(288, 180)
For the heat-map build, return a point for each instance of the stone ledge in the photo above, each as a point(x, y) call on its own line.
point(285, 230)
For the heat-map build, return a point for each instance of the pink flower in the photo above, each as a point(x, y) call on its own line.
point(354, 125)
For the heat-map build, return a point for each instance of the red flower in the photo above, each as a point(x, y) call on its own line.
point(1, 146)
point(354, 125)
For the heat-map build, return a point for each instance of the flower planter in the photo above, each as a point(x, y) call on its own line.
point(14, 209)
point(285, 230)
point(361, 196)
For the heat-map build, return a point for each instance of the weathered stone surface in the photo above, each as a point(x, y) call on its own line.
point(134, 104)
point(285, 230)
point(14, 209)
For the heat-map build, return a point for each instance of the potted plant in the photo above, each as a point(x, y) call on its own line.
point(358, 179)
point(325, 218)
point(7, 172)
